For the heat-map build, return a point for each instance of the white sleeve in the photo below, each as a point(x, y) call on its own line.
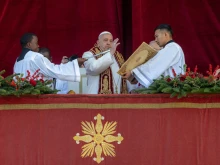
point(68, 71)
point(62, 86)
point(154, 68)
point(96, 66)
point(131, 86)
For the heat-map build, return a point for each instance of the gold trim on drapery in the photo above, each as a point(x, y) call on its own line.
point(108, 106)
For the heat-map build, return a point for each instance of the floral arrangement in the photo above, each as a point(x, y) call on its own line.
point(183, 84)
point(32, 84)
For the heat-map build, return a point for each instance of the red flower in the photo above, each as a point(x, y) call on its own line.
point(182, 78)
point(210, 70)
point(188, 69)
point(195, 69)
point(32, 82)
point(193, 76)
point(174, 73)
point(29, 74)
point(41, 80)
point(35, 75)
point(169, 79)
point(13, 83)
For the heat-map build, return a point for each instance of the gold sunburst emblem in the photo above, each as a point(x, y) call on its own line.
point(98, 138)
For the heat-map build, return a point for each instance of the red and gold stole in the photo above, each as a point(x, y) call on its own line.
point(106, 79)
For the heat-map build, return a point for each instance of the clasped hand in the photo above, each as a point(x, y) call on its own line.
point(81, 61)
point(127, 75)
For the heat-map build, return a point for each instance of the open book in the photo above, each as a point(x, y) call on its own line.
point(141, 55)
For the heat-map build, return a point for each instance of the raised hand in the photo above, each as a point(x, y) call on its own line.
point(114, 46)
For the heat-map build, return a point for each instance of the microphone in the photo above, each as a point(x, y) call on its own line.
point(73, 57)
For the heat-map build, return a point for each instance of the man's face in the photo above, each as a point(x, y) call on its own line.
point(160, 37)
point(33, 45)
point(105, 42)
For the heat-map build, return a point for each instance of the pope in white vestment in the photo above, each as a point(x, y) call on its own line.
point(102, 77)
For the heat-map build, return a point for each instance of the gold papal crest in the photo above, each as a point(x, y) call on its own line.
point(98, 139)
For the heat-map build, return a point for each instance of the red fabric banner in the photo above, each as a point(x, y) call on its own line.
point(156, 129)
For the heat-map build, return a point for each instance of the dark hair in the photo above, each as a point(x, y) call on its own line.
point(166, 27)
point(27, 37)
point(43, 50)
point(73, 57)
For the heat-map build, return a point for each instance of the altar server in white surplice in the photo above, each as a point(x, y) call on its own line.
point(168, 58)
point(61, 85)
point(31, 60)
point(101, 70)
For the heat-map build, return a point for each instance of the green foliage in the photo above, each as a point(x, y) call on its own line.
point(181, 85)
point(16, 85)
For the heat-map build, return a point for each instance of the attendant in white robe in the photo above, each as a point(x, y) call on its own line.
point(31, 60)
point(168, 58)
point(62, 85)
point(58, 84)
point(102, 77)
point(156, 47)
point(46, 53)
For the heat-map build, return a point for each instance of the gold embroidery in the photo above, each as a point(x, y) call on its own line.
point(105, 82)
point(143, 106)
point(98, 138)
point(120, 58)
point(105, 85)
point(123, 86)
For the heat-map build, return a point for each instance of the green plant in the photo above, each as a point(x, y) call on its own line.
point(183, 84)
point(31, 85)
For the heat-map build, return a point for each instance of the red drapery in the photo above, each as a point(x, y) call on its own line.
point(157, 130)
point(73, 26)
point(65, 28)
point(196, 26)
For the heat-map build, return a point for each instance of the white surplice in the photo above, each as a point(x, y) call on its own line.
point(94, 67)
point(62, 86)
point(33, 61)
point(170, 57)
